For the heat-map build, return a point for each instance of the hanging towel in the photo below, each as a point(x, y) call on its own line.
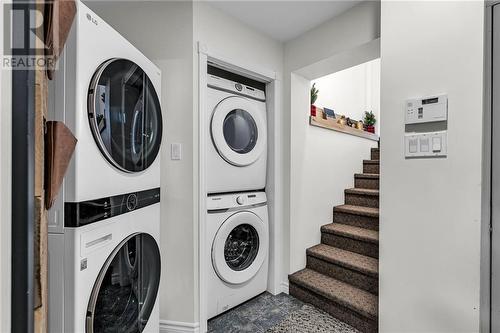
point(59, 16)
point(59, 147)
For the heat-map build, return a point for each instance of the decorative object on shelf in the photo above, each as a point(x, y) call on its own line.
point(349, 122)
point(314, 97)
point(330, 113)
point(313, 110)
point(314, 93)
point(370, 121)
point(360, 125)
point(342, 120)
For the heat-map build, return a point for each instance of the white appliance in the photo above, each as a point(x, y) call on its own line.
point(237, 136)
point(238, 244)
point(111, 105)
point(104, 277)
point(104, 262)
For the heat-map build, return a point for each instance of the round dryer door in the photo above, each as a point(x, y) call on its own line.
point(125, 116)
point(125, 291)
point(239, 131)
point(240, 247)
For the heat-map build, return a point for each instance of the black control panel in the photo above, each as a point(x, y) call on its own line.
point(77, 214)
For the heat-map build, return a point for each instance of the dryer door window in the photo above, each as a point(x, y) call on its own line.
point(125, 291)
point(240, 247)
point(238, 129)
point(125, 116)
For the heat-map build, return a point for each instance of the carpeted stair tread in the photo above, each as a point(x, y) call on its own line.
point(371, 161)
point(367, 175)
point(345, 230)
point(347, 259)
point(362, 191)
point(357, 210)
point(355, 299)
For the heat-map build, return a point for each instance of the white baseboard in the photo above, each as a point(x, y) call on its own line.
point(169, 326)
point(284, 287)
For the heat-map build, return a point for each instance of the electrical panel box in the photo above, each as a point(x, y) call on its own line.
point(426, 110)
point(426, 144)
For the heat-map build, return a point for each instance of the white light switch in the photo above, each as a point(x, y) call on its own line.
point(413, 145)
point(436, 144)
point(175, 151)
point(424, 144)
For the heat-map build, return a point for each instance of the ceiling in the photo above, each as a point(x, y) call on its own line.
point(283, 20)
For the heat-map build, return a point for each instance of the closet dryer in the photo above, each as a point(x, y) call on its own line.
point(237, 136)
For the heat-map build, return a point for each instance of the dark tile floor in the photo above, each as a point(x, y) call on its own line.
point(276, 314)
point(257, 315)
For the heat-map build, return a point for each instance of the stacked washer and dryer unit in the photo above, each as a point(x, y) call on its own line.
point(104, 258)
point(237, 220)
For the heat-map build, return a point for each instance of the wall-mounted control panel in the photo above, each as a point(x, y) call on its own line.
point(426, 110)
point(432, 144)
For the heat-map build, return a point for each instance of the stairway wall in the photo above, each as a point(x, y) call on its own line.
point(430, 209)
point(341, 274)
point(323, 163)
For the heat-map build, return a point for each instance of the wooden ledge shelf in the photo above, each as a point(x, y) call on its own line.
point(334, 126)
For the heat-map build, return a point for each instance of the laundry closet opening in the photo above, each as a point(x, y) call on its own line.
point(239, 222)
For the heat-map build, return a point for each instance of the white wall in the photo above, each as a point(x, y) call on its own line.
point(319, 163)
point(235, 40)
point(431, 208)
point(5, 190)
point(163, 32)
point(352, 91)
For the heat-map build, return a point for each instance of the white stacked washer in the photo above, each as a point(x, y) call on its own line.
point(237, 136)
point(238, 244)
point(104, 259)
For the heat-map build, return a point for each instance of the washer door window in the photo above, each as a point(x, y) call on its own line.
point(125, 292)
point(240, 247)
point(239, 131)
point(125, 116)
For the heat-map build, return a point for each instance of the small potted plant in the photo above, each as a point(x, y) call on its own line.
point(369, 121)
point(314, 97)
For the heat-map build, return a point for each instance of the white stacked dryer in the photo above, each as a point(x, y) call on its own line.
point(237, 136)
point(104, 258)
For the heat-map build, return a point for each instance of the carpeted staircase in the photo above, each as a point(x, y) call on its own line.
point(341, 274)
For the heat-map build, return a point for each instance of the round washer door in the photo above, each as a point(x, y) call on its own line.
point(240, 247)
point(125, 115)
point(126, 288)
point(238, 131)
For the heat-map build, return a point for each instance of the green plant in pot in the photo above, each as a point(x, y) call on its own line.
point(314, 97)
point(369, 120)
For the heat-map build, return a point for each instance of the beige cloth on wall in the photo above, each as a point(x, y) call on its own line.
point(59, 16)
point(59, 147)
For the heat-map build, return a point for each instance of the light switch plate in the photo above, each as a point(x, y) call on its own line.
point(431, 144)
point(176, 151)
